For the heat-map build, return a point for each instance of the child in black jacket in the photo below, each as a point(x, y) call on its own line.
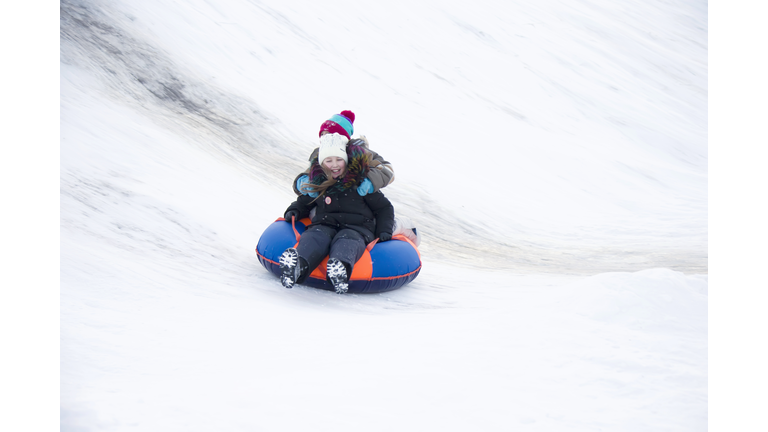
point(344, 222)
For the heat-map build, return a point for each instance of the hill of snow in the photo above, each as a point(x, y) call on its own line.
point(553, 155)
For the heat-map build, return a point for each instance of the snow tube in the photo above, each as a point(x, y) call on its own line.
point(383, 267)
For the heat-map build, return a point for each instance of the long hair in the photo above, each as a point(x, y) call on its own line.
point(321, 178)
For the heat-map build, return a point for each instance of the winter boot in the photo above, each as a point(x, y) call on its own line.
point(337, 274)
point(291, 267)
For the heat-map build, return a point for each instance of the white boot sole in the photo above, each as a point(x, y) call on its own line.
point(337, 273)
point(289, 267)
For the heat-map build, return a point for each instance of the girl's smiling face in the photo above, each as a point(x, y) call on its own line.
point(336, 165)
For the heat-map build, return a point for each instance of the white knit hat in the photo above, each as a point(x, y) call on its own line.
point(333, 145)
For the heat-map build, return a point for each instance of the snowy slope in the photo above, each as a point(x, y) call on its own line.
point(554, 157)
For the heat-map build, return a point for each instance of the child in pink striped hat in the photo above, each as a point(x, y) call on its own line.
point(380, 173)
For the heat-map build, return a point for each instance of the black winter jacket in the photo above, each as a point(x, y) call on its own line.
point(370, 215)
point(341, 206)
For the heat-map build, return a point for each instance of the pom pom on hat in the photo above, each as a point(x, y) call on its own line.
point(348, 114)
point(340, 123)
point(333, 144)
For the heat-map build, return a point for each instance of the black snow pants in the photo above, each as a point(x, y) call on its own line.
point(317, 241)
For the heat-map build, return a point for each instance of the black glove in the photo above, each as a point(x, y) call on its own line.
point(385, 236)
point(291, 213)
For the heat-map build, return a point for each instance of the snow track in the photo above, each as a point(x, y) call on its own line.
point(133, 72)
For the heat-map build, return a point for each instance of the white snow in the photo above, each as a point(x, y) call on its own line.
point(554, 155)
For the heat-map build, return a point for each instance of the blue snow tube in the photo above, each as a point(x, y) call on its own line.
point(384, 267)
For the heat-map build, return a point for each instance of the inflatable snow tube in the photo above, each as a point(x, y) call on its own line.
point(384, 267)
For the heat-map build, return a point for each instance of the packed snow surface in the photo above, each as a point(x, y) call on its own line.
point(553, 155)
